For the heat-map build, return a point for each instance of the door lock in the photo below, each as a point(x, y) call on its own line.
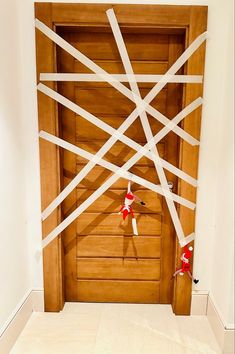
point(170, 185)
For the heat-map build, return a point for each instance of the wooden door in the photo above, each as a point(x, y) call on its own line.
point(104, 262)
point(57, 167)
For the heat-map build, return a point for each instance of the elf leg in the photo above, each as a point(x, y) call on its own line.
point(139, 200)
point(134, 227)
point(193, 279)
point(177, 272)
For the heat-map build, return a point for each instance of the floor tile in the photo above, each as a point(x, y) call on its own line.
point(83, 328)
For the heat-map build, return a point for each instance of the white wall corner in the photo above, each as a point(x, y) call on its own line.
point(225, 337)
point(32, 302)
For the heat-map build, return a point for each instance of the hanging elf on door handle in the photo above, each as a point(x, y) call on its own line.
point(126, 208)
point(185, 267)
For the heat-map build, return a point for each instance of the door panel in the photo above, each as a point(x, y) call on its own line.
point(116, 67)
point(118, 246)
point(102, 46)
point(99, 174)
point(87, 131)
point(118, 291)
point(102, 101)
point(118, 268)
point(108, 223)
point(112, 199)
point(119, 153)
point(103, 260)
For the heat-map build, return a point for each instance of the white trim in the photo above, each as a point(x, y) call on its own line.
point(32, 301)
point(224, 336)
point(203, 304)
point(199, 303)
point(193, 79)
point(14, 312)
point(215, 306)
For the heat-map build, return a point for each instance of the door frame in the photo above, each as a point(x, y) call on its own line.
point(192, 20)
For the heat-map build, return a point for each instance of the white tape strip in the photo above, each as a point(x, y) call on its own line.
point(115, 135)
point(116, 169)
point(187, 240)
point(193, 79)
point(52, 235)
point(134, 227)
point(108, 183)
point(119, 86)
point(91, 199)
point(146, 126)
point(178, 64)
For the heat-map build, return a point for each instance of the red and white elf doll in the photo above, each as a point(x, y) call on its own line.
point(185, 267)
point(126, 208)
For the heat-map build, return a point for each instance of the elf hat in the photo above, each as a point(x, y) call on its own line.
point(188, 251)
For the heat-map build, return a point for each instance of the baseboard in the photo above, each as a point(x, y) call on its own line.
point(38, 300)
point(199, 303)
point(202, 305)
point(32, 302)
point(225, 337)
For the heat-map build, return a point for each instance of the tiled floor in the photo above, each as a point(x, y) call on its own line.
point(115, 329)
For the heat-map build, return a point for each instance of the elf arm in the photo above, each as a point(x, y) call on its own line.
point(139, 200)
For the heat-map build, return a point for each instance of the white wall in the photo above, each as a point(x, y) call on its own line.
point(214, 228)
point(14, 271)
point(20, 265)
point(30, 136)
point(222, 282)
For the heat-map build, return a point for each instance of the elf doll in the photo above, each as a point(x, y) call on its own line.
point(185, 267)
point(126, 208)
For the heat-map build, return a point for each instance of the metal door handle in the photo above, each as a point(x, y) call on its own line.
point(170, 185)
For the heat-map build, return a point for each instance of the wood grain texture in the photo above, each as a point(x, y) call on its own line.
point(189, 154)
point(118, 268)
point(100, 174)
point(107, 224)
point(127, 15)
point(150, 48)
point(174, 105)
point(113, 199)
point(118, 154)
point(118, 246)
point(87, 131)
point(134, 20)
point(118, 291)
point(103, 101)
point(115, 66)
point(49, 168)
point(98, 220)
point(68, 162)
